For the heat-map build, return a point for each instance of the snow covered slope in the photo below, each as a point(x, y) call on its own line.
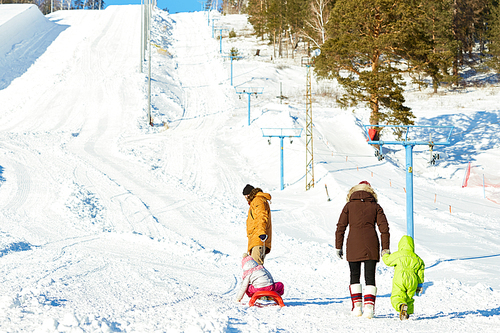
point(110, 225)
point(25, 35)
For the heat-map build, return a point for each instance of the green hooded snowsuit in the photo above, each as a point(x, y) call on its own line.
point(408, 273)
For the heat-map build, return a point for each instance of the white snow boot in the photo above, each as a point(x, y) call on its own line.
point(370, 295)
point(357, 299)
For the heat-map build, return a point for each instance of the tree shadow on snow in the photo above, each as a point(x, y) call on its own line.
point(473, 133)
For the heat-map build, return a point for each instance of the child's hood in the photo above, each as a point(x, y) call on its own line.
point(249, 266)
point(248, 263)
point(406, 243)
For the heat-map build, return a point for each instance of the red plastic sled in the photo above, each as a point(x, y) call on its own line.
point(274, 295)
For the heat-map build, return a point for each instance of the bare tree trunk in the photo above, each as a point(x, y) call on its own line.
point(274, 44)
point(286, 43)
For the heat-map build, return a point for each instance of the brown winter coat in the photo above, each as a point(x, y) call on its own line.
point(361, 213)
point(259, 221)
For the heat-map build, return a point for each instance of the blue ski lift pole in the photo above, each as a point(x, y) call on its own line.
point(232, 70)
point(281, 136)
point(248, 109)
point(220, 37)
point(232, 58)
point(213, 28)
point(409, 190)
point(249, 91)
point(408, 144)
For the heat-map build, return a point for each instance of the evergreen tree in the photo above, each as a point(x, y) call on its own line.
point(439, 56)
point(367, 44)
point(279, 20)
point(257, 16)
point(469, 27)
point(494, 37)
point(296, 13)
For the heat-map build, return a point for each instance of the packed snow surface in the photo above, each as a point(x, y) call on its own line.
point(109, 224)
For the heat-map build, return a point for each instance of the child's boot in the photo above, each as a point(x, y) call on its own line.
point(357, 299)
point(370, 295)
point(403, 312)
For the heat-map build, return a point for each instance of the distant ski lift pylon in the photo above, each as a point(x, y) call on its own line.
point(249, 91)
point(281, 133)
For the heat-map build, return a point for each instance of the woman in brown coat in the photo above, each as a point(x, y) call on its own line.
point(259, 227)
point(361, 213)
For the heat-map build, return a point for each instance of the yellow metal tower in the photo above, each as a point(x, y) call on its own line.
point(308, 63)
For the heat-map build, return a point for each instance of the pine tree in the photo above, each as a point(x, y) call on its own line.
point(256, 10)
point(469, 27)
point(367, 44)
point(296, 14)
point(438, 21)
point(494, 37)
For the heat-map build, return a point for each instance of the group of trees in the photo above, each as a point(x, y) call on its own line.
point(368, 45)
point(232, 6)
point(46, 6)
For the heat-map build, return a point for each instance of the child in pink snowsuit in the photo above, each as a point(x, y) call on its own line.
point(256, 278)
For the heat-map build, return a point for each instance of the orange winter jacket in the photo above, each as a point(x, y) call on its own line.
point(259, 221)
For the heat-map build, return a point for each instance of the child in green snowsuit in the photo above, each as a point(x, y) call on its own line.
point(408, 276)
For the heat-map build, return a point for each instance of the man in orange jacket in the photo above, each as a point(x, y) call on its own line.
point(259, 227)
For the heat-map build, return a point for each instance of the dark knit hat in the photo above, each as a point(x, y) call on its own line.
point(247, 189)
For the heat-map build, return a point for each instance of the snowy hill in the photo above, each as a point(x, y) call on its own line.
point(111, 225)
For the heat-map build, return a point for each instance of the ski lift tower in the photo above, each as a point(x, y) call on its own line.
point(249, 91)
point(220, 36)
point(308, 62)
point(213, 26)
point(281, 133)
point(208, 8)
point(442, 133)
point(232, 56)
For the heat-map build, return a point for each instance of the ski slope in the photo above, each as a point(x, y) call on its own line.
point(110, 225)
